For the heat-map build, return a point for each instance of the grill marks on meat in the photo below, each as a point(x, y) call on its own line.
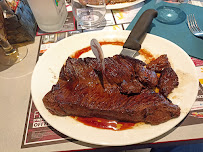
point(168, 81)
point(148, 106)
point(123, 95)
point(79, 70)
point(147, 77)
point(114, 72)
point(131, 87)
point(151, 107)
point(119, 70)
point(159, 64)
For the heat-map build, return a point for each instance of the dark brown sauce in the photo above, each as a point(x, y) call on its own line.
point(104, 123)
point(78, 53)
point(146, 54)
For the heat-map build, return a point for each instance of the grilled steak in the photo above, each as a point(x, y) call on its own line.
point(159, 64)
point(131, 87)
point(168, 81)
point(123, 92)
point(119, 70)
point(94, 101)
point(147, 77)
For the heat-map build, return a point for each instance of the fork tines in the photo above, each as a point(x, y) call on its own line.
point(193, 26)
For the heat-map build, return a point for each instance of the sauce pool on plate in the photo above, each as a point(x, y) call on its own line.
point(78, 53)
point(104, 123)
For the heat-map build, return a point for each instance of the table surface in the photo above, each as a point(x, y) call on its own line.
point(15, 101)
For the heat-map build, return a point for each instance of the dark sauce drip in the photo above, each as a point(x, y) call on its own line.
point(78, 53)
point(105, 123)
point(146, 54)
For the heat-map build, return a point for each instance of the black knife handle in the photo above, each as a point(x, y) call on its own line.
point(140, 29)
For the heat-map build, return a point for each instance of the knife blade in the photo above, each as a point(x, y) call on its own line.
point(132, 44)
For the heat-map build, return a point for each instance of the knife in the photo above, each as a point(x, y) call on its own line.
point(132, 44)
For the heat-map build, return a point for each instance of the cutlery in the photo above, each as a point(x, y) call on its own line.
point(193, 26)
point(132, 44)
point(98, 52)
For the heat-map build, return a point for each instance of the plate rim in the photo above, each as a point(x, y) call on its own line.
point(123, 5)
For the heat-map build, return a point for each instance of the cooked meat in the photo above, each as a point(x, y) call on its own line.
point(95, 101)
point(159, 64)
point(151, 107)
point(131, 87)
point(118, 69)
point(121, 93)
point(167, 81)
point(134, 62)
point(115, 72)
point(80, 70)
point(148, 77)
point(127, 64)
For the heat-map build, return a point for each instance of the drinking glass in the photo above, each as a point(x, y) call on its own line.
point(170, 11)
point(89, 13)
point(9, 54)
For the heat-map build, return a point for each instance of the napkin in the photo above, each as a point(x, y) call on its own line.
point(177, 33)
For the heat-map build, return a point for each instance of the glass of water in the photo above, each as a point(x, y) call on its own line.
point(89, 13)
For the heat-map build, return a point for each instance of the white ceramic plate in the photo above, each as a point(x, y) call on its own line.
point(47, 71)
point(123, 5)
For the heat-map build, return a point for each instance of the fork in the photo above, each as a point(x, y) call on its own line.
point(192, 24)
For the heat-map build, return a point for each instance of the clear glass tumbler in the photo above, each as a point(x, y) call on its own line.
point(170, 11)
point(89, 13)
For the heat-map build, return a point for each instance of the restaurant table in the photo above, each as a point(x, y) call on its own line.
point(23, 129)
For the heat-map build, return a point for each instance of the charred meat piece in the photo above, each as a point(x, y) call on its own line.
point(115, 72)
point(147, 77)
point(167, 81)
point(95, 101)
point(80, 70)
point(52, 99)
point(126, 64)
point(131, 87)
point(151, 107)
point(63, 100)
point(124, 94)
point(118, 69)
point(134, 62)
point(67, 71)
point(159, 64)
